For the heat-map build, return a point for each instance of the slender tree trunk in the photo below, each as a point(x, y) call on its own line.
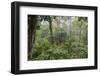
point(31, 33)
point(69, 49)
point(29, 43)
point(51, 32)
point(80, 34)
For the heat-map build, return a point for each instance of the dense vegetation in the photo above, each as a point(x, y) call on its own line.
point(57, 37)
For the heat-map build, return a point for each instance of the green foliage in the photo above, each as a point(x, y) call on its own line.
point(66, 45)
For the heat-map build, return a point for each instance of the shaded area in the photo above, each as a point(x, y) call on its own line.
point(57, 37)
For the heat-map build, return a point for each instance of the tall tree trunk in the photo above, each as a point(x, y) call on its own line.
point(50, 28)
point(69, 49)
point(80, 33)
point(80, 28)
point(31, 33)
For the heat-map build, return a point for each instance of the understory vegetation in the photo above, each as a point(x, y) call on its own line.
point(57, 37)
